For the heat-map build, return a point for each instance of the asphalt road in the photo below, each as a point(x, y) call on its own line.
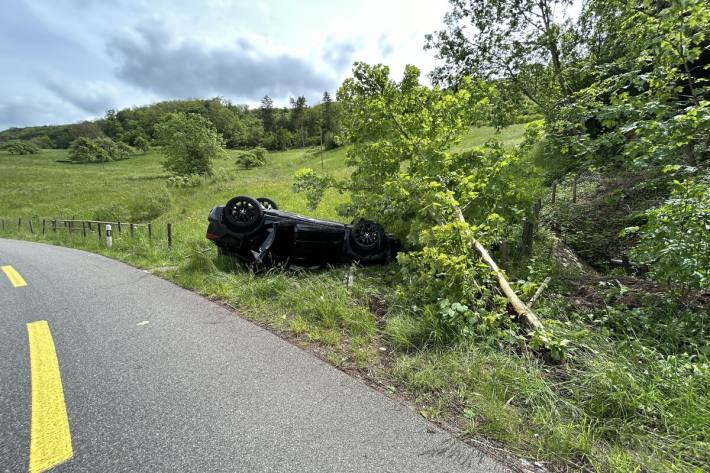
point(195, 389)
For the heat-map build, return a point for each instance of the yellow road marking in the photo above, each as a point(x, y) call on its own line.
point(50, 439)
point(15, 279)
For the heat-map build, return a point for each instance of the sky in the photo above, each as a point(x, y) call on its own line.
point(68, 60)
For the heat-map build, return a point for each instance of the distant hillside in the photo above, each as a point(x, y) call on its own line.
point(241, 127)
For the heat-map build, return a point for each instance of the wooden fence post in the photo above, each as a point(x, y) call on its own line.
point(554, 191)
point(170, 234)
point(150, 231)
point(19, 223)
point(529, 225)
point(32, 231)
point(133, 230)
point(44, 226)
point(83, 229)
point(118, 224)
point(98, 230)
point(2, 222)
point(54, 225)
point(574, 190)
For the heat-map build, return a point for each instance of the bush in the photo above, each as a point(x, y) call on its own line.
point(98, 150)
point(150, 207)
point(252, 159)
point(113, 212)
point(86, 150)
point(674, 241)
point(20, 147)
point(190, 144)
point(142, 144)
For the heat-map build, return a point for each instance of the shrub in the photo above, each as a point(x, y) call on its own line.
point(113, 212)
point(88, 150)
point(251, 159)
point(190, 143)
point(142, 144)
point(674, 241)
point(150, 207)
point(20, 147)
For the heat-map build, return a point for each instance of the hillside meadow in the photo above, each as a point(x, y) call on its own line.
point(612, 408)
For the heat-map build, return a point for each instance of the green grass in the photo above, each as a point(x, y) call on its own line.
point(615, 406)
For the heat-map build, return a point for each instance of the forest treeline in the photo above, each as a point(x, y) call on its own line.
point(274, 128)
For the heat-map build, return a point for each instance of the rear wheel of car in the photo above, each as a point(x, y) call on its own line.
point(367, 236)
point(243, 213)
point(267, 203)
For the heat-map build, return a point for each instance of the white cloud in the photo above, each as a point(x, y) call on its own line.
point(85, 56)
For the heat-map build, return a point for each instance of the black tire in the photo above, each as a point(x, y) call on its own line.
point(243, 213)
point(367, 237)
point(267, 203)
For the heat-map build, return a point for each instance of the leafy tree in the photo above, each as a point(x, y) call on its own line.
point(298, 115)
point(189, 143)
point(111, 125)
point(267, 113)
point(519, 42)
point(328, 118)
point(405, 174)
point(674, 241)
point(283, 140)
point(20, 147)
point(142, 144)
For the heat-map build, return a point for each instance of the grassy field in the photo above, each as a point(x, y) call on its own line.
point(610, 409)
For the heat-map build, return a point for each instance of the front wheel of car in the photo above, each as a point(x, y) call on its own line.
point(367, 237)
point(243, 213)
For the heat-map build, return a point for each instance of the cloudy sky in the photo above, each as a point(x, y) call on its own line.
point(67, 60)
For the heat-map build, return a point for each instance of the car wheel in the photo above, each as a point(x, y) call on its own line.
point(267, 203)
point(367, 236)
point(243, 213)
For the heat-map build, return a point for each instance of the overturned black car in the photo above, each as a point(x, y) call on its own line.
point(256, 232)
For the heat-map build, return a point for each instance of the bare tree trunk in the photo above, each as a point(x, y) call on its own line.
point(525, 314)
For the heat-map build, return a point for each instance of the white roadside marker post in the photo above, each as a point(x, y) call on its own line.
point(109, 240)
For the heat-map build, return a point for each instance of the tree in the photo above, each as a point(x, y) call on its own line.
point(111, 126)
point(518, 41)
point(267, 113)
point(189, 143)
point(674, 240)
point(142, 144)
point(328, 121)
point(298, 115)
point(441, 202)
